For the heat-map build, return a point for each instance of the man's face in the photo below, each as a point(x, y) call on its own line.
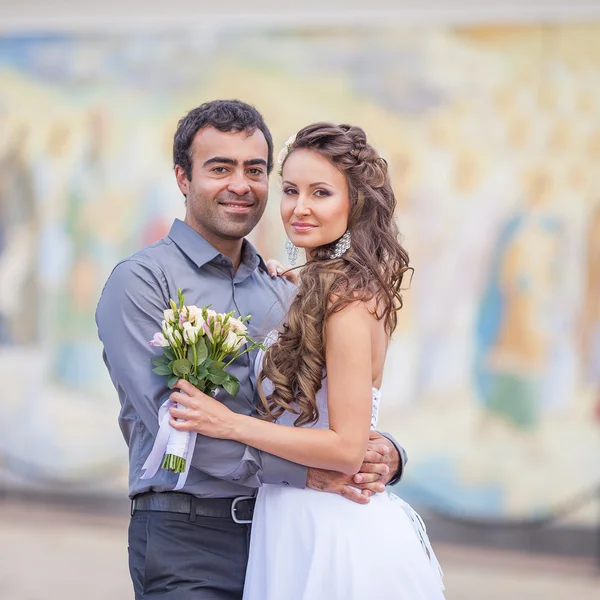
point(227, 194)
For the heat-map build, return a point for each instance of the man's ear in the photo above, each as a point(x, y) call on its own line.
point(182, 181)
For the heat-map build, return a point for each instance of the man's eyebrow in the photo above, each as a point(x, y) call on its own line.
point(234, 163)
point(221, 160)
point(255, 161)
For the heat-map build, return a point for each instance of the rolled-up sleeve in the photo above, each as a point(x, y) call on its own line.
point(129, 313)
point(280, 471)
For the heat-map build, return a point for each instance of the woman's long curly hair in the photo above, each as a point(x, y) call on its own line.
point(372, 269)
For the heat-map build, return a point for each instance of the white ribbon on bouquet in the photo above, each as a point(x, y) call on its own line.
point(170, 441)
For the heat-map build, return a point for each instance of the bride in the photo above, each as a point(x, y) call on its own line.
point(320, 380)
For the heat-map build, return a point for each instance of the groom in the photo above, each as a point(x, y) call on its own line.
point(193, 544)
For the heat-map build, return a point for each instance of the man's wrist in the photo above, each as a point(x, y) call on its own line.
point(315, 479)
point(401, 460)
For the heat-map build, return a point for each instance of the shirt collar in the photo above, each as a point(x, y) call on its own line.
point(200, 252)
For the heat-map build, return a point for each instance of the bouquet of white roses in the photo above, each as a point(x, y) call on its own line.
point(198, 346)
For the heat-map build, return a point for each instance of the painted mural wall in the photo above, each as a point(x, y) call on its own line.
point(493, 139)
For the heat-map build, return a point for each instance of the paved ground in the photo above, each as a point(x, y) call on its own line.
point(51, 554)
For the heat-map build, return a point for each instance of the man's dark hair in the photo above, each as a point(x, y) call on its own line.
point(224, 115)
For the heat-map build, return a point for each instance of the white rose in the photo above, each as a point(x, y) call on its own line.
point(241, 341)
point(233, 342)
point(193, 313)
point(170, 316)
point(169, 334)
point(200, 324)
point(216, 325)
point(237, 326)
point(173, 336)
point(190, 333)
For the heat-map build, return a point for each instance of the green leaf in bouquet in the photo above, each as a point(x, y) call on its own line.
point(193, 380)
point(169, 353)
point(201, 350)
point(159, 361)
point(202, 372)
point(231, 386)
point(173, 380)
point(162, 370)
point(190, 355)
point(182, 367)
point(216, 375)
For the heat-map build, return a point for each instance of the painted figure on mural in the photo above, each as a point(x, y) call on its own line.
point(514, 327)
point(18, 243)
point(53, 173)
point(86, 210)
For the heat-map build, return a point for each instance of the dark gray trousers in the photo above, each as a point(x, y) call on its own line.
point(172, 557)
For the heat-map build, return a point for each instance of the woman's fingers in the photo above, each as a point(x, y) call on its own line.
point(186, 387)
point(180, 425)
point(180, 413)
point(189, 394)
point(183, 399)
point(275, 268)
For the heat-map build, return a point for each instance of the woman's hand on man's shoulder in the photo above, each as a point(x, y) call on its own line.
point(276, 269)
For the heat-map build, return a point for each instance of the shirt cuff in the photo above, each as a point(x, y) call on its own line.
point(403, 459)
point(283, 472)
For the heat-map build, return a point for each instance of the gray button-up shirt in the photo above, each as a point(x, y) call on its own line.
point(130, 312)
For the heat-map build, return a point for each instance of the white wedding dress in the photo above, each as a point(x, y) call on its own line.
point(311, 545)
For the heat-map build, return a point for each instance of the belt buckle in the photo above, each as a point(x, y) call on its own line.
point(234, 508)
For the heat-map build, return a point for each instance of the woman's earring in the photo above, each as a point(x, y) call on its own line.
point(292, 252)
point(342, 245)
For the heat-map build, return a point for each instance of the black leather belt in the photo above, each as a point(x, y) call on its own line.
point(238, 509)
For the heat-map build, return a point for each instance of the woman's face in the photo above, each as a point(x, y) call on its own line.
point(315, 202)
